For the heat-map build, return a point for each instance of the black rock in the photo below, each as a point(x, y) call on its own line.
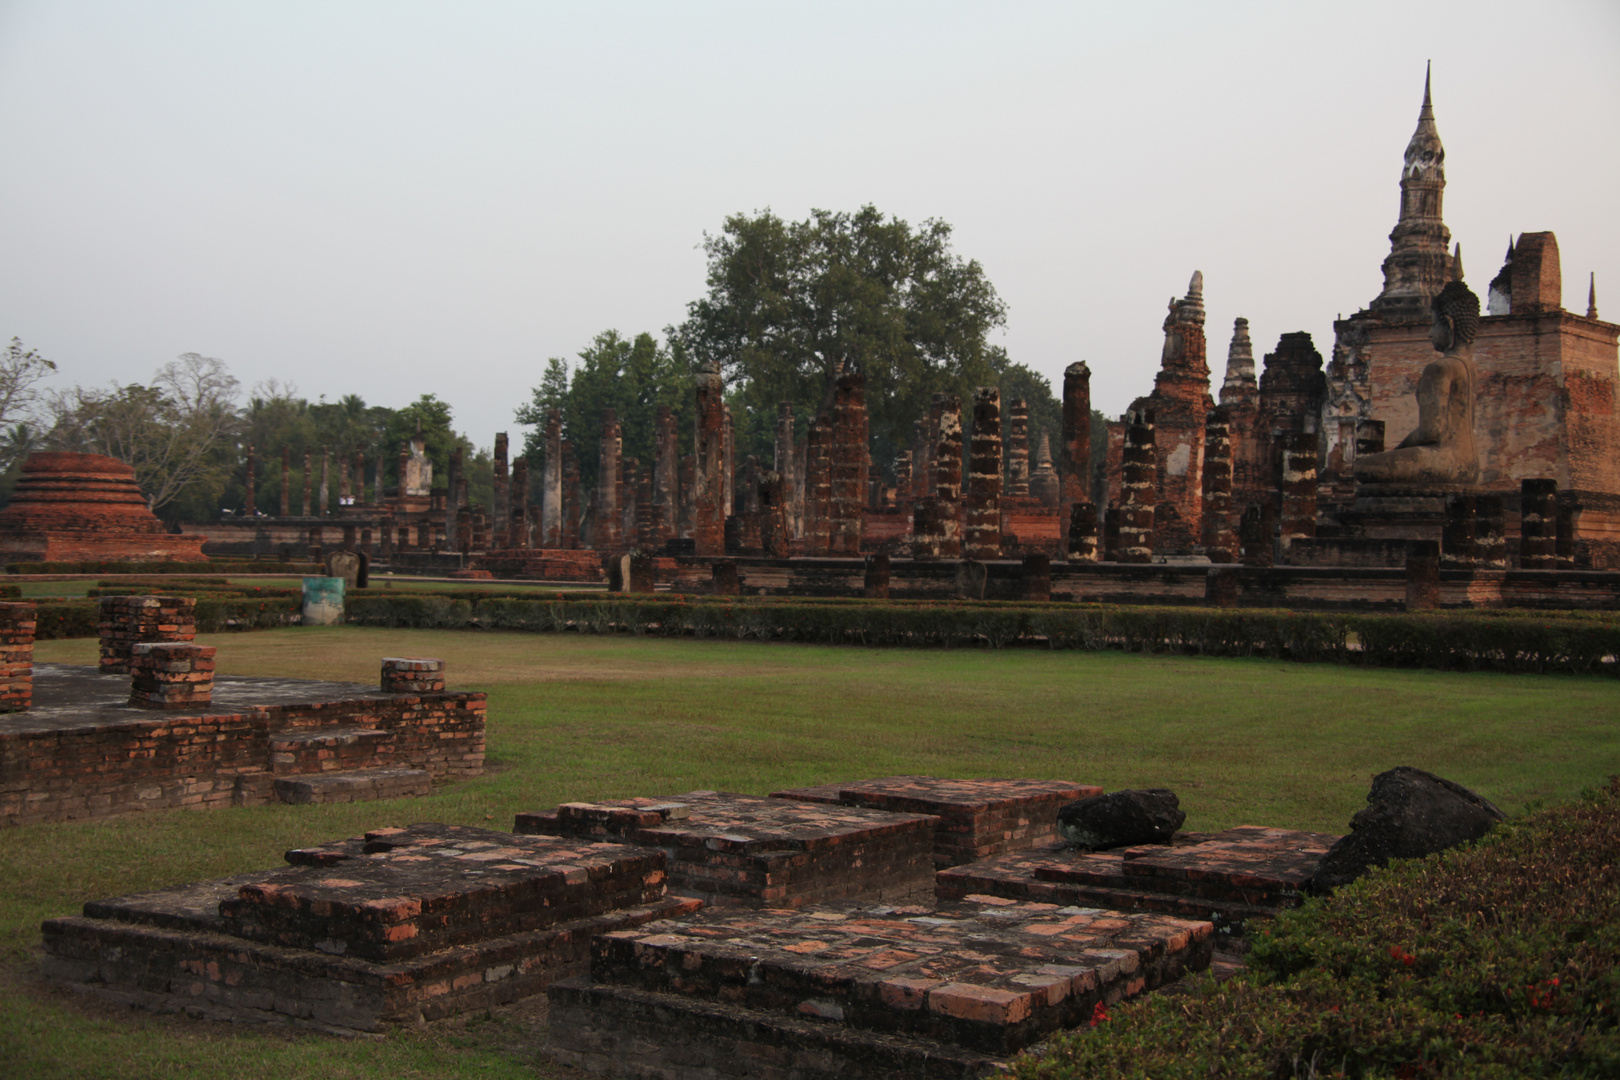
point(1122, 818)
point(1409, 814)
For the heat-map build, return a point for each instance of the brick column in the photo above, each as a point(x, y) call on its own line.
point(286, 479)
point(847, 465)
point(1074, 457)
point(412, 675)
point(502, 497)
point(1018, 448)
point(247, 486)
point(1219, 543)
point(1035, 580)
point(1255, 532)
point(16, 656)
point(817, 486)
point(773, 520)
point(518, 532)
point(171, 674)
point(1139, 489)
point(1298, 487)
point(569, 532)
point(876, 585)
point(1221, 586)
point(948, 476)
point(1422, 575)
point(982, 537)
point(551, 484)
point(1457, 534)
point(708, 481)
point(1490, 545)
point(1083, 532)
point(1538, 524)
point(129, 620)
point(607, 485)
point(666, 477)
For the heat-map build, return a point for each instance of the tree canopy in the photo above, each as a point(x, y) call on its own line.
point(788, 301)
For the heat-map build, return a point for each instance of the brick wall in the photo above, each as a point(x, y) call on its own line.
point(16, 656)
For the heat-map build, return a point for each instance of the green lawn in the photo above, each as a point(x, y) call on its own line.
point(581, 717)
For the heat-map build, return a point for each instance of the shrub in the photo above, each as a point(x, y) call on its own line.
point(66, 619)
point(1501, 959)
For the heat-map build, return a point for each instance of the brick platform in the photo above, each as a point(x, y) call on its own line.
point(1227, 877)
point(16, 656)
point(81, 751)
point(977, 818)
point(126, 621)
point(856, 992)
point(744, 850)
point(399, 926)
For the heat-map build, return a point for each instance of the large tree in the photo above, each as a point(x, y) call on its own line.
point(788, 301)
point(633, 377)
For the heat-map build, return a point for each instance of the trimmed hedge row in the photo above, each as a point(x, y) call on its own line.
point(1520, 642)
point(82, 618)
point(1497, 960)
point(216, 566)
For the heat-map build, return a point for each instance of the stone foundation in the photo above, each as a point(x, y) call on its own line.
point(396, 927)
point(877, 991)
point(743, 850)
point(977, 818)
point(1227, 877)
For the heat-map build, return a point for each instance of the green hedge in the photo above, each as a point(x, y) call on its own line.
point(82, 618)
point(1492, 961)
point(216, 566)
point(1500, 642)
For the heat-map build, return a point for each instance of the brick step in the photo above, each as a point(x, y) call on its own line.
point(356, 785)
point(994, 975)
point(622, 1031)
point(314, 750)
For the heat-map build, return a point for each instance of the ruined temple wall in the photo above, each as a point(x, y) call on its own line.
point(1544, 405)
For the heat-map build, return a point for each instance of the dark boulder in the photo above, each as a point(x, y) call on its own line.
point(1409, 814)
point(1122, 818)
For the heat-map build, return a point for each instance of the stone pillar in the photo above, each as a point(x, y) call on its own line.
point(247, 486)
point(1298, 486)
point(1083, 532)
point(1221, 586)
point(708, 495)
point(784, 464)
point(981, 539)
point(629, 492)
point(1074, 463)
point(412, 675)
point(922, 458)
point(502, 497)
point(1422, 575)
point(171, 675)
point(308, 476)
point(1538, 524)
point(666, 477)
point(649, 516)
point(1457, 534)
point(723, 578)
point(1256, 530)
point(818, 487)
point(1018, 448)
point(1219, 543)
point(519, 532)
point(345, 496)
point(1490, 545)
point(404, 466)
point(1111, 533)
point(551, 484)
point(570, 496)
point(728, 467)
point(17, 625)
point(1036, 578)
point(947, 486)
point(129, 620)
point(773, 526)
point(607, 534)
point(902, 478)
point(360, 477)
point(286, 480)
point(1564, 535)
point(847, 465)
point(326, 484)
point(1138, 488)
point(876, 586)
point(687, 520)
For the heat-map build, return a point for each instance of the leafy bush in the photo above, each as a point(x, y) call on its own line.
point(66, 619)
point(216, 566)
point(1497, 960)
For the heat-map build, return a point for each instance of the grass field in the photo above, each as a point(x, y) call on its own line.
point(581, 717)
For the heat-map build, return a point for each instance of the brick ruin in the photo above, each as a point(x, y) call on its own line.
point(708, 934)
point(86, 507)
point(156, 727)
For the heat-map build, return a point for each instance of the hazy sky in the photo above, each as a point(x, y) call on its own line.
point(396, 198)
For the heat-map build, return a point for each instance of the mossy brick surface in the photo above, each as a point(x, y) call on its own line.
point(181, 949)
point(977, 818)
point(1229, 877)
point(994, 975)
point(758, 852)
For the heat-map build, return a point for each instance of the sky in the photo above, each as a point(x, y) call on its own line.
point(396, 198)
